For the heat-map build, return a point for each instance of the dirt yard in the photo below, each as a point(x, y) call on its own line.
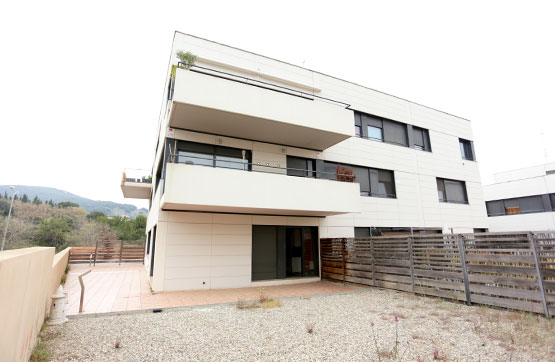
point(367, 325)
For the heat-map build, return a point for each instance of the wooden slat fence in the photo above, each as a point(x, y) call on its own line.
point(106, 254)
point(510, 270)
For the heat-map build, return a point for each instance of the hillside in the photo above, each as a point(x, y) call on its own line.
point(48, 193)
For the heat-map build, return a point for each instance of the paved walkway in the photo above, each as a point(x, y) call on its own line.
point(124, 288)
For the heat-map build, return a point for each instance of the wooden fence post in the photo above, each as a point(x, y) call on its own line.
point(343, 252)
point(373, 264)
point(411, 260)
point(95, 252)
point(465, 272)
point(120, 251)
point(539, 272)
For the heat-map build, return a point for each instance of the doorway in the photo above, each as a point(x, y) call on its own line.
point(284, 252)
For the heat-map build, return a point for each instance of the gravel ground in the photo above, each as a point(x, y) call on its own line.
point(428, 329)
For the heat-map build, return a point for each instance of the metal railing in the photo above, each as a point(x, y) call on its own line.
point(136, 175)
point(253, 167)
point(250, 81)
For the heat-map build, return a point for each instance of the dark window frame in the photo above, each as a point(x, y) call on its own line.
point(467, 150)
point(442, 188)
point(212, 152)
point(365, 120)
point(373, 178)
point(544, 202)
point(426, 145)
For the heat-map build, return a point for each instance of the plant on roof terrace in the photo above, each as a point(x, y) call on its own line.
point(186, 61)
point(345, 174)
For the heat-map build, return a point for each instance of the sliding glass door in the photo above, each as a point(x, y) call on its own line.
point(284, 252)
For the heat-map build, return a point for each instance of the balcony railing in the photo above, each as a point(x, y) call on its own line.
point(251, 81)
point(340, 175)
point(136, 175)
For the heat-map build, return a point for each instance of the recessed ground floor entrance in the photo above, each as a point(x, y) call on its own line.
point(280, 252)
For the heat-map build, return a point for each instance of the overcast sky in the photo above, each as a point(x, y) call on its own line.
point(81, 85)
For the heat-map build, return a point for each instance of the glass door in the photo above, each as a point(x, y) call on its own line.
point(294, 252)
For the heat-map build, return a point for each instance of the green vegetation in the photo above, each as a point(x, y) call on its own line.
point(187, 58)
point(52, 196)
point(39, 223)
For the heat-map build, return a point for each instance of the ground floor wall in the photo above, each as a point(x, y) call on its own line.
point(208, 251)
point(196, 251)
point(522, 222)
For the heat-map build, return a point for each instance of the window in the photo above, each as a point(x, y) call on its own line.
point(524, 205)
point(521, 205)
point(362, 232)
point(388, 131)
point(495, 208)
point(192, 153)
point(395, 132)
point(302, 167)
point(373, 181)
point(550, 172)
point(421, 139)
point(386, 184)
point(375, 133)
point(466, 150)
point(452, 191)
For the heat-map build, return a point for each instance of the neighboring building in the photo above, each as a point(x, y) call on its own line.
point(522, 200)
point(254, 163)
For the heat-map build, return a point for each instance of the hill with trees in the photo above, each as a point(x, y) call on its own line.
point(54, 196)
point(35, 222)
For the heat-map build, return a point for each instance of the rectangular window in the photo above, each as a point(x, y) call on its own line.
point(192, 153)
point(552, 199)
point(373, 181)
point(301, 167)
point(386, 184)
point(375, 133)
point(386, 130)
point(452, 191)
point(421, 139)
point(495, 208)
point(466, 150)
point(524, 205)
point(362, 232)
point(395, 132)
point(363, 178)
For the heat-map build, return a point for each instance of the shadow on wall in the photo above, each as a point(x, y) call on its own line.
point(28, 277)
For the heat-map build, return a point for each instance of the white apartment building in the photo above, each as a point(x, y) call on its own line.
point(257, 159)
point(522, 199)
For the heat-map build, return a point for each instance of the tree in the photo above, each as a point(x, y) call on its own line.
point(51, 203)
point(52, 232)
point(36, 200)
point(5, 195)
point(66, 204)
point(24, 198)
point(4, 207)
point(95, 215)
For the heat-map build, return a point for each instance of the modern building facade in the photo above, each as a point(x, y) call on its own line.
point(522, 199)
point(257, 159)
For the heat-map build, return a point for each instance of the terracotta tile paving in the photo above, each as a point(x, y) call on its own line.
point(113, 288)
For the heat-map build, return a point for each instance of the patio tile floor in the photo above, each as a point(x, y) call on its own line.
point(113, 288)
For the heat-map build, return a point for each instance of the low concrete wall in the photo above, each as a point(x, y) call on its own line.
point(28, 277)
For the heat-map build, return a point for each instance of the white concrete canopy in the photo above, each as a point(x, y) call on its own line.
point(201, 188)
point(209, 104)
point(135, 190)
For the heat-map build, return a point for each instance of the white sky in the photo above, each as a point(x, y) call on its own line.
point(81, 84)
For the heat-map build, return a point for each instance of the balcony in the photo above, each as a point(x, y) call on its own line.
point(213, 189)
point(245, 108)
point(136, 184)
